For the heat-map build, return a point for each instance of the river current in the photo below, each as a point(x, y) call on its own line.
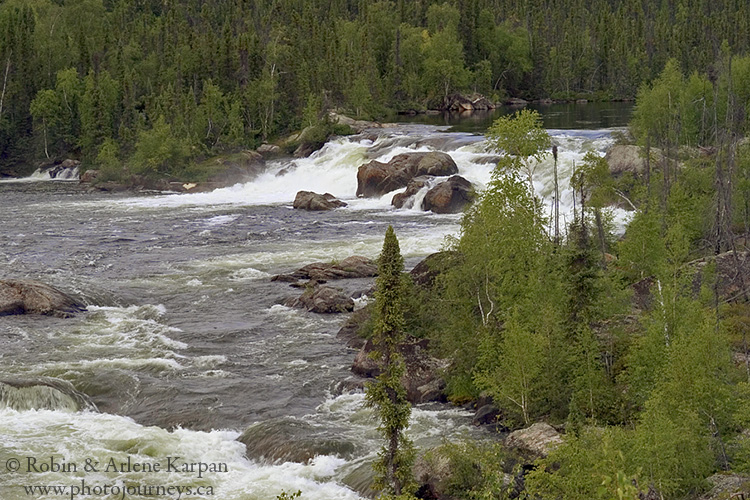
point(185, 346)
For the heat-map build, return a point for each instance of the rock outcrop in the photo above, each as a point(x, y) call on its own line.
point(307, 200)
point(429, 268)
point(460, 103)
point(269, 150)
point(357, 126)
point(376, 179)
point(727, 486)
point(34, 297)
point(538, 439)
point(450, 196)
point(89, 176)
point(422, 379)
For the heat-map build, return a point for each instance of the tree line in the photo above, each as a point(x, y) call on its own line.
point(110, 80)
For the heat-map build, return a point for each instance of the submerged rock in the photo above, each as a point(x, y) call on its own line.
point(307, 200)
point(322, 299)
point(35, 297)
point(449, 197)
point(291, 440)
point(376, 179)
point(42, 394)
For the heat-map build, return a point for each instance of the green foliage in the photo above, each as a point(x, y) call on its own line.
point(158, 151)
point(387, 395)
point(443, 64)
point(288, 496)
point(513, 368)
point(657, 110)
point(591, 464)
point(108, 162)
point(643, 251)
point(476, 470)
point(523, 139)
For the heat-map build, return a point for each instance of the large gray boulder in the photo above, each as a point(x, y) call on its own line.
point(376, 179)
point(538, 439)
point(35, 297)
point(629, 158)
point(307, 200)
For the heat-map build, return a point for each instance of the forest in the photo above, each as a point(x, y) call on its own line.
point(152, 86)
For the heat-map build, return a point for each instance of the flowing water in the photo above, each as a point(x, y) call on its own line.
point(185, 346)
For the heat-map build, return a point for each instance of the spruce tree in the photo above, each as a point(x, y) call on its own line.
point(387, 394)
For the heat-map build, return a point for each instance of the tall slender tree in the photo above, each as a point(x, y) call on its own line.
point(387, 394)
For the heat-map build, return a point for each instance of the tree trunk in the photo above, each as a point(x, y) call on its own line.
point(5, 83)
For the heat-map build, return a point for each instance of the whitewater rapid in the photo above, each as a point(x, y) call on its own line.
point(186, 346)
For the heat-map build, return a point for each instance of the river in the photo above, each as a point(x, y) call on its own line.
point(185, 346)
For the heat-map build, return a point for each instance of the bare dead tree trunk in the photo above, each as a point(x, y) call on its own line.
point(557, 199)
point(5, 83)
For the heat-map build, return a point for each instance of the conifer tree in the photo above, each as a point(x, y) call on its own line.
point(387, 394)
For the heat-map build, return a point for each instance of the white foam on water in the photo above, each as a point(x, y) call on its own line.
point(113, 439)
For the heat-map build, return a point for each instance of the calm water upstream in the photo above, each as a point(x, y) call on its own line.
point(184, 345)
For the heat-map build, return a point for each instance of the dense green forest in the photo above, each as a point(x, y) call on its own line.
point(155, 84)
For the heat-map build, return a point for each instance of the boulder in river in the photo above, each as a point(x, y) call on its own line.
point(450, 196)
point(376, 179)
point(35, 297)
point(42, 394)
point(292, 440)
point(322, 299)
point(67, 169)
point(352, 267)
point(89, 176)
point(307, 200)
